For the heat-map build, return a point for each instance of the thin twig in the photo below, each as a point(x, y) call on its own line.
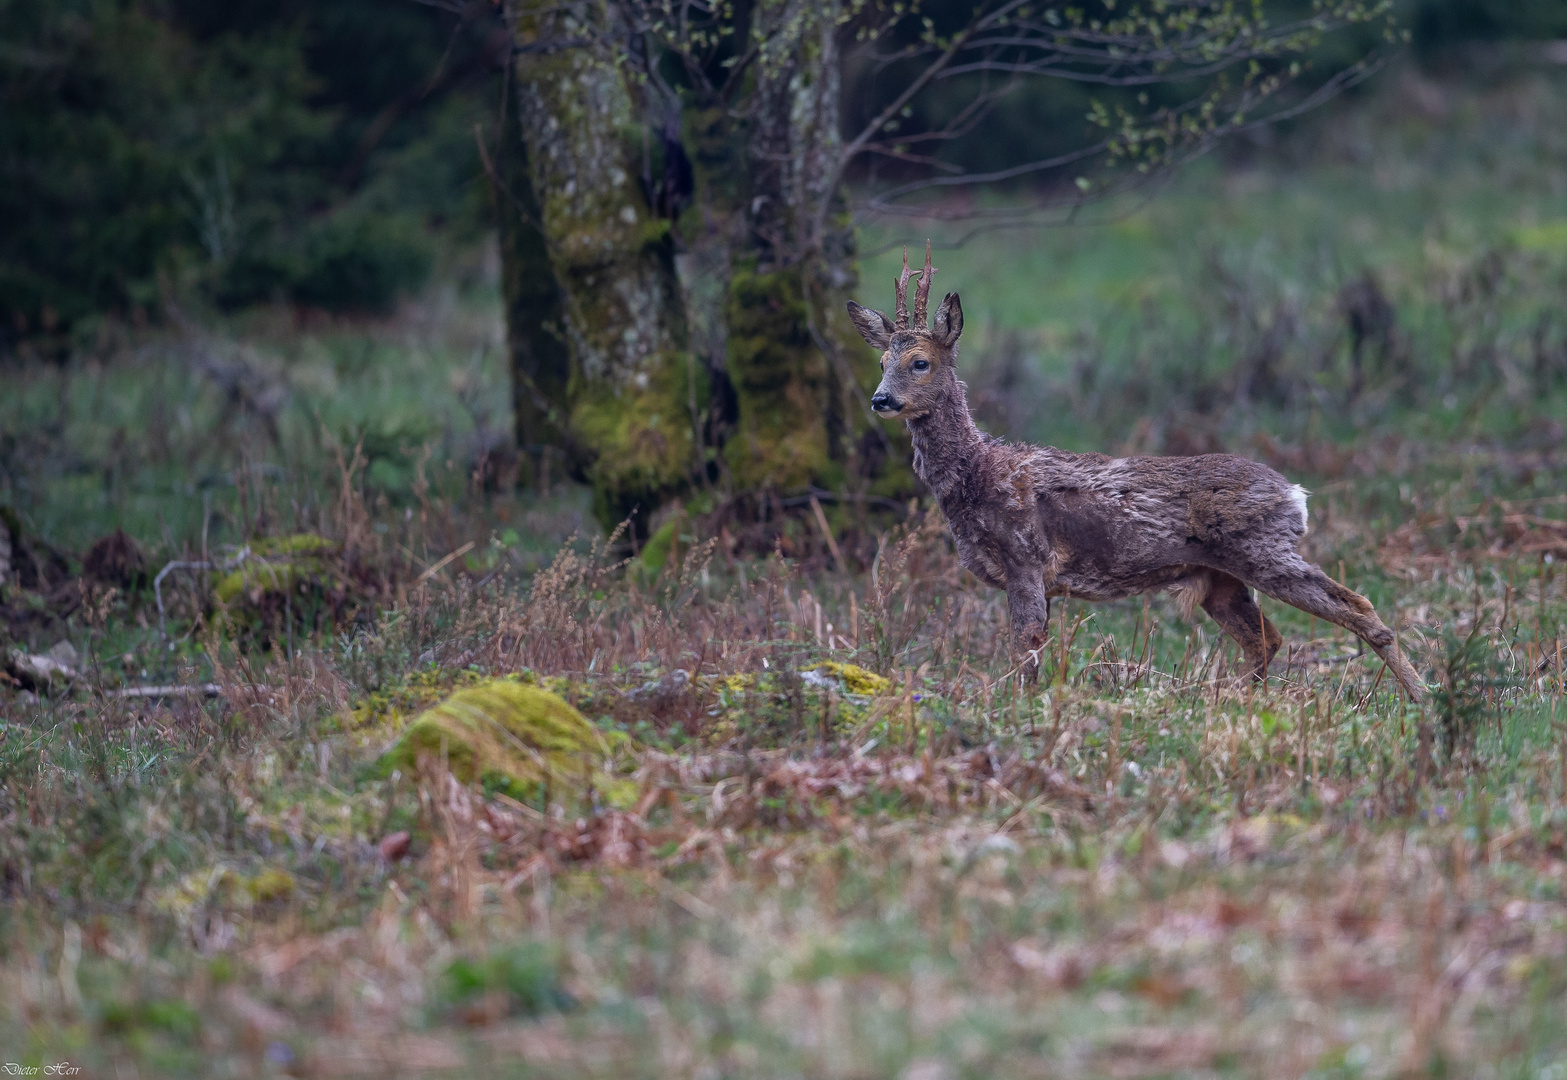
point(438, 567)
point(199, 690)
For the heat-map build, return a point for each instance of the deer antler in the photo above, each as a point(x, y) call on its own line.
point(901, 286)
point(922, 290)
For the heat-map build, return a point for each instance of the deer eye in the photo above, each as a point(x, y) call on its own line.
point(921, 365)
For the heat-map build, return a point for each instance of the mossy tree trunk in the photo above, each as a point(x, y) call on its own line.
point(711, 229)
point(803, 416)
point(535, 314)
point(732, 363)
point(632, 387)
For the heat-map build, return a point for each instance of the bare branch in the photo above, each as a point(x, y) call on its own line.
point(855, 145)
point(1068, 207)
point(883, 202)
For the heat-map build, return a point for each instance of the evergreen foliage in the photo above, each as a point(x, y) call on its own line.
point(231, 153)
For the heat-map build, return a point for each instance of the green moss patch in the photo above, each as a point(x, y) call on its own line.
point(510, 737)
point(855, 679)
point(421, 689)
point(301, 578)
point(655, 554)
point(640, 434)
point(525, 977)
point(275, 565)
point(226, 887)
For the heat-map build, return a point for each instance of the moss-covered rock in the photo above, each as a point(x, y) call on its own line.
point(389, 706)
point(302, 577)
point(275, 565)
point(855, 679)
point(512, 737)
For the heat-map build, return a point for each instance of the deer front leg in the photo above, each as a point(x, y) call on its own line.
point(1026, 607)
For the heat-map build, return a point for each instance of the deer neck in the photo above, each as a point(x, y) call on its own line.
point(945, 443)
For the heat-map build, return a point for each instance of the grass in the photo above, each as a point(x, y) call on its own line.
point(1420, 173)
point(1195, 318)
point(1140, 867)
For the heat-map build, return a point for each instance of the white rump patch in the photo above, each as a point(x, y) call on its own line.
point(1297, 495)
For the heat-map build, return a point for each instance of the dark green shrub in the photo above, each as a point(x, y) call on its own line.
point(359, 260)
point(237, 153)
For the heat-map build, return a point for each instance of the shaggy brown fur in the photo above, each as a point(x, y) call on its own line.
point(1040, 522)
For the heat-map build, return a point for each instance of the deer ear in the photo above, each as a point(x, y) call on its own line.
point(873, 326)
point(948, 323)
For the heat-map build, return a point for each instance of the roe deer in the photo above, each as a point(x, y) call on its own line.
point(1040, 522)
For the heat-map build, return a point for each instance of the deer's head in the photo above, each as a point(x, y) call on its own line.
point(918, 363)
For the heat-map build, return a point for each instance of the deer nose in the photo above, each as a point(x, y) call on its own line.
point(883, 403)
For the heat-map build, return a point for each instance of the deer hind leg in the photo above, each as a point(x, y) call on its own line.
point(1230, 604)
point(1306, 587)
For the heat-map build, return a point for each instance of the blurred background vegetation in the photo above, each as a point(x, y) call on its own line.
point(323, 154)
point(242, 152)
point(242, 239)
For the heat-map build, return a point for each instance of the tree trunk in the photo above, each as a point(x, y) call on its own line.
point(734, 362)
point(535, 315)
point(797, 368)
point(633, 389)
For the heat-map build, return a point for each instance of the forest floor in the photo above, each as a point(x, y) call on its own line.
point(770, 863)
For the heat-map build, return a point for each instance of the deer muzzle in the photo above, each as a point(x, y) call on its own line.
point(885, 404)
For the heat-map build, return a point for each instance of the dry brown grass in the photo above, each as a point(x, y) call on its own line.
point(1142, 869)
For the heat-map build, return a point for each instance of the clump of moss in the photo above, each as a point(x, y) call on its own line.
point(669, 544)
point(522, 740)
point(737, 683)
point(276, 564)
point(227, 887)
point(270, 884)
point(855, 679)
point(301, 577)
point(420, 690)
point(659, 546)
